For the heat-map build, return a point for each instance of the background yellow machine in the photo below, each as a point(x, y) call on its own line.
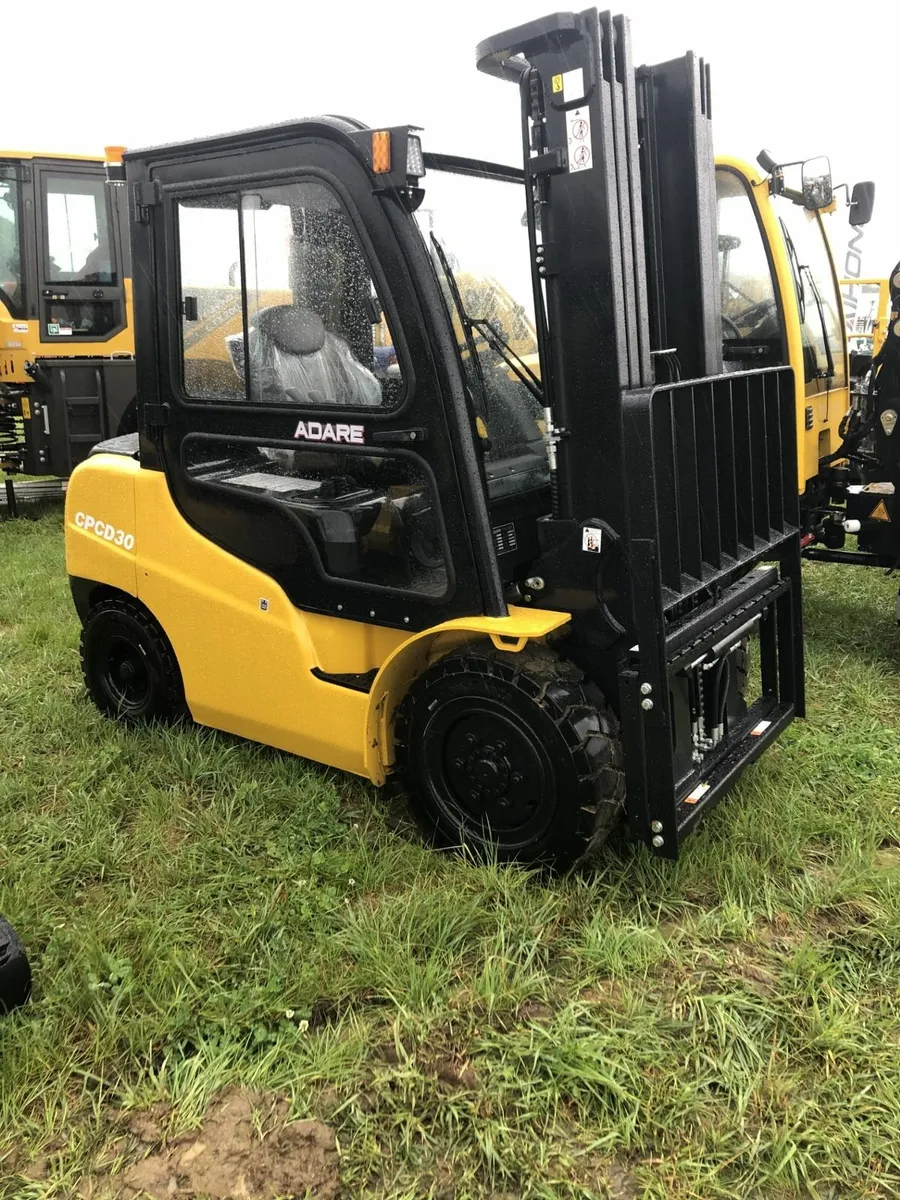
point(66, 337)
point(782, 303)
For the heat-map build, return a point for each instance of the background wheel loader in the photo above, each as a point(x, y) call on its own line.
point(497, 551)
point(66, 336)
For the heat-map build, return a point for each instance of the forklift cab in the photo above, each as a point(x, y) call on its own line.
point(319, 416)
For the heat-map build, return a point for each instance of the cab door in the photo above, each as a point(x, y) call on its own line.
point(81, 294)
point(306, 403)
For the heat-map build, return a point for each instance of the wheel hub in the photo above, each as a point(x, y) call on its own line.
point(494, 771)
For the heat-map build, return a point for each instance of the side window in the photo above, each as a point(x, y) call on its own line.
point(751, 325)
point(818, 301)
point(302, 323)
point(372, 519)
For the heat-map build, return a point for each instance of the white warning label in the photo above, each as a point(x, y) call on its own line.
point(580, 151)
point(573, 85)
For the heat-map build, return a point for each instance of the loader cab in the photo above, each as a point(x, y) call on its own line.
point(66, 344)
point(781, 301)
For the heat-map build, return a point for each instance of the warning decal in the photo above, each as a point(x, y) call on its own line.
point(557, 83)
point(697, 794)
point(880, 512)
point(579, 140)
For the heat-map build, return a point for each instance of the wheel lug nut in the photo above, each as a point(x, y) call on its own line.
point(458, 763)
point(517, 778)
point(500, 747)
point(471, 739)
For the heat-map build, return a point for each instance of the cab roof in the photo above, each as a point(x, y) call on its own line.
point(28, 155)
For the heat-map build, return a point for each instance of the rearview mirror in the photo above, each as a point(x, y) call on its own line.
point(817, 189)
point(862, 202)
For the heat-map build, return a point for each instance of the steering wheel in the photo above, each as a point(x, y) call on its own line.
point(729, 327)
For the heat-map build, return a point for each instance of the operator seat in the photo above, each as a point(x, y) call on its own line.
point(295, 359)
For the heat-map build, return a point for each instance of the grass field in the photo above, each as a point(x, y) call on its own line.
point(205, 914)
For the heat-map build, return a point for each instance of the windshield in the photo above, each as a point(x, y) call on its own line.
point(473, 228)
point(12, 283)
point(817, 295)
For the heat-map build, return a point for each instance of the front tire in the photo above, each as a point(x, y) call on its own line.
point(512, 756)
point(129, 666)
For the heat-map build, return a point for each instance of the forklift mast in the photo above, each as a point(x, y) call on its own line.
point(690, 483)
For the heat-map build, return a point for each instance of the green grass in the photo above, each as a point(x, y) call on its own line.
point(203, 912)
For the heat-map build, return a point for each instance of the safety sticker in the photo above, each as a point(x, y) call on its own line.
point(697, 794)
point(557, 83)
point(880, 512)
point(591, 540)
point(573, 85)
point(579, 140)
point(17, 328)
point(53, 329)
point(760, 729)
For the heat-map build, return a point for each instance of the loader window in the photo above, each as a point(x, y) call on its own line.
point(78, 245)
point(751, 324)
point(821, 320)
point(301, 323)
point(12, 282)
point(372, 519)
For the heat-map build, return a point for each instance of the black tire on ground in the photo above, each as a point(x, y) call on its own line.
point(15, 973)
point(512, 756)
point(129, 666)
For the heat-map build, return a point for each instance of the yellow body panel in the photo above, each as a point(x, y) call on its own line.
point(88, 554)
point(19, 345)
point(828, 407)
point(246, 653)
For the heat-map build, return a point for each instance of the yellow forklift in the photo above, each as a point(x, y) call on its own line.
point(66, 338)
point(781, 303)
point(508, 554)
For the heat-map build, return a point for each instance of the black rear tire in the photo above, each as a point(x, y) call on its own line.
point(512, 756)
point(129, 666)
point(15, 973)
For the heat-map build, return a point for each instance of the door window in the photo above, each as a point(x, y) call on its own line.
point(79, 253)
point(278, 303)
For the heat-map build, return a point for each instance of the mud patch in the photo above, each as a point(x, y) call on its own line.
point(243, 1150)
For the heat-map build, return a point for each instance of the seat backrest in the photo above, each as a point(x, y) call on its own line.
point(295, 359)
